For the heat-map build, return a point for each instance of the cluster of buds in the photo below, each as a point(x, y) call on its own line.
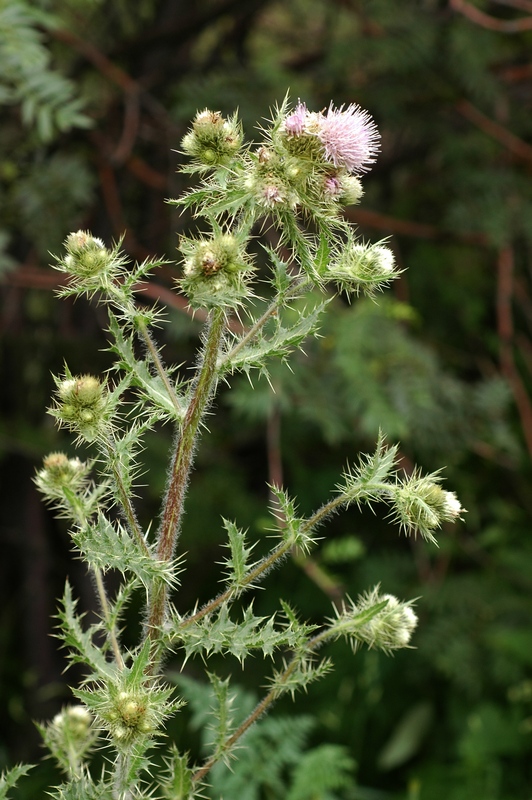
point(70, 736)
point(60, 473)
point(213, 140)
point(420, 504)
point(128, 717)
point(363, 266)
point(378, 620)
point(313, 160)
point(82, 405)
point(214, 269)
point(90, 265)
point(130, 709)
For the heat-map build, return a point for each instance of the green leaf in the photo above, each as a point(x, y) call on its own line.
point(218, 633)
point(10, 777)
point(152, 386)
point(407, 737)
point(237, 563)
point(106, 546)
point(80, 642)
point(325, 768)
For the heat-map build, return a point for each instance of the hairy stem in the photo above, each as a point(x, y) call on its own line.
point(182, 462)
point(266, 563)
point(158, 364)
point(297, 288)
point(111, 633)
point(125, 500)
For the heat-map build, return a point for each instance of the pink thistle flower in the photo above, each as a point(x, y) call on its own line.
point(272, 196)
point(333, 187)
point(295, 122)
point(350, 137)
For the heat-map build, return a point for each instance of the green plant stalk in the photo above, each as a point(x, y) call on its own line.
point(312, 645)
point(257, 712)
point(127, 505)
point(267, 562)
point(158, 364)
point(297, 288)
point(111, 633)
point(181, 465)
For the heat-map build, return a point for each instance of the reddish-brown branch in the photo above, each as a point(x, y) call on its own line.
point(146, 174)
point(491, 23)
point(513, 143)
point(516, 73)
point(405, 227)
point(97, 59)
point(505, 328)
point(30, 277)
point(130, 129)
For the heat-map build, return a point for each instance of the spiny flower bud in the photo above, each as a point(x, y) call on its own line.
point(59, 473)
point(214, 268)
point(361, 266)
point(420, 504)
point(132, 708)
point(343, 187)
point(69, 737)
point(82, 405)
point(129, 717)
point(86, 256)
point(378, 620)
point(213, 140)
point(74, 721)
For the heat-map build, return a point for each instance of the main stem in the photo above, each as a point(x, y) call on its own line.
point(181, 465)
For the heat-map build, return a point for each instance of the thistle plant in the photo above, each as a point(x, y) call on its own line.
point(293, 187)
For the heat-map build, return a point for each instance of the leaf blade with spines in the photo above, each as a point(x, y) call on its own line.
point(105, 545)
point(9, 778)
point(152, 386)
point(278, 345)
point(237, 563)
point(80, 642)
point(368, 481)
point(218, 633)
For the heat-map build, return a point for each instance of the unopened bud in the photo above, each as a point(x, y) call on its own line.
point(87, 257)
point(380, 621)
point(59, 473)
point(213, 140)
point(421, 505)
point(82, 405)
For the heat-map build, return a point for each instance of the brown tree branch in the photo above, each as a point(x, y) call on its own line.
point(406, 227)
point(491, 23)
point(513, 143)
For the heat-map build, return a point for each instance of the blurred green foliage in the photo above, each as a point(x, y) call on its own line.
point(95, 97)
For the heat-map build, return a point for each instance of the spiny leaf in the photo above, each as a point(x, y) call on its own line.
point(10, 777)
point(237, 563)
point(80, 642)
point(152, 386)
point(106, 546)
point(217, 633)
point(278, 345)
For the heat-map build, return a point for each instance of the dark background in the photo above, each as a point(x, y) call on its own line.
point(95, 98)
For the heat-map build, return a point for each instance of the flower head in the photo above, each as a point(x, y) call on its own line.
point(295, 123)
point(378, 620)
point(350, 137)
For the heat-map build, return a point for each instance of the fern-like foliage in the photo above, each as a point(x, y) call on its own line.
point(47, 98)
